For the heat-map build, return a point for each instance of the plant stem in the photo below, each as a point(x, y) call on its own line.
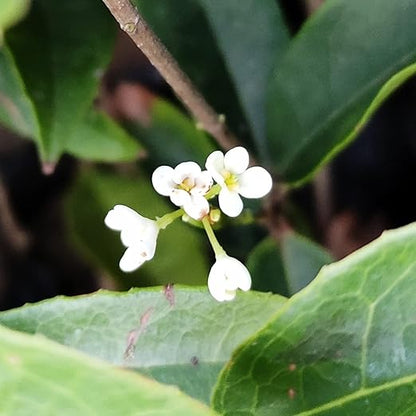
point(143, 36)
point(218, 250)
point(214, 191)
point(167, 219)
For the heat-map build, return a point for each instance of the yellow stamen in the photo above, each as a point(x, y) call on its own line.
point(231, 181)
point(187, 184)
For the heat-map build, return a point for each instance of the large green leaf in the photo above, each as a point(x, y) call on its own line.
point(188, 36)
point(171, 137)
point(61, 50)
point(40, 377)
point(332, 74)
point(288, 266)
point(267, 269)
point(252, 37)
point(345, 345)
point(11, 11)
point(180, 253)
point(101, 139)
point(183, 336)
point(302, 259)
point(16, 109)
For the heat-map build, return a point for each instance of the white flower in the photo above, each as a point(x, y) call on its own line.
point(226, 276)
point(186, 186)
point(231, 173)
point(138, 234)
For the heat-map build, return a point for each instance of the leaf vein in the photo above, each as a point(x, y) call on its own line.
point(362, 392)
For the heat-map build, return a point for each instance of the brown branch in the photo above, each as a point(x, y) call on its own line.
point(146, 40)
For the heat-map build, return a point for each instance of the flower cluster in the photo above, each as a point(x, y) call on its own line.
point(191, 189)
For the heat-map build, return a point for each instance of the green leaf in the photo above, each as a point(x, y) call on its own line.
point(345, 345)
point(286, 267)
point(61, 50)
point(266, 268)
point(348, 58)
point(188, 37)
point(183, 336)
point(96, 192)
point(40, 377)
point(11, 11)
point(252, 37)
point(99, 138)
point(16, 109)
point(303, 259)
point(172, 137)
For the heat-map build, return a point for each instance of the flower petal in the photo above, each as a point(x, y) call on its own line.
point(237, 273)
point(229, 295)
point(230, 202)
point(130, 236)
point(242, 273)
point(225, 276)
point(133, 258)
point(121, 216)
point(144, 231)
point(236, 160)
point(215, 166)
point(149, 242)
point(138, 234)
point(196, 207)
point(180, 197)
point(186, 170)
point(162, 180)
point(255, 182)
point(216, 282)
point(203, 183)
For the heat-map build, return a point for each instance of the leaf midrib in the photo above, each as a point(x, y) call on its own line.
point(362, 392)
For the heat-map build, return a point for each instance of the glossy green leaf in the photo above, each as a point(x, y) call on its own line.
point(181, 336)
point(16, 109)
point(172, 137)
point(266, 268)
point(252, 37)
point(303, 259)
point(11, 11)
point(101, 139)
point(188, 36)
point(41, 377)
point(180, 254)
point(323, 88)
point(344, 345)
point(61, 50)
point(286, 267)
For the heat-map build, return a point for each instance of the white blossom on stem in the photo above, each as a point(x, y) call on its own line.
point(186, 186)
point(231, 173)
point(137, 233)
point(226, 276)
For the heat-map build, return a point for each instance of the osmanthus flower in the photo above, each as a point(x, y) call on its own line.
point(137, 233)
point(226, 276)
point(186, 186)
point(231, 172)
